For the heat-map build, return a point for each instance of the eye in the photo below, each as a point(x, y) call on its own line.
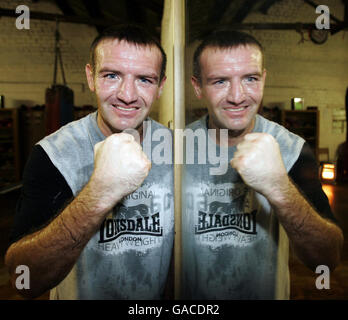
point(252, 79)
point(145, 80)
point(219, 82)
point(111, 76)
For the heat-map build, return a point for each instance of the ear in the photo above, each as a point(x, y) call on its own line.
point(264, 75)
point(90, 77)
point(160, 86)
point(197, 87)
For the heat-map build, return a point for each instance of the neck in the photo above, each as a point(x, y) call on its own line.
point(234, 136)
point(140, 131)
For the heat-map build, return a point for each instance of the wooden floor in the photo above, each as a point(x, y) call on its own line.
point(302, 279)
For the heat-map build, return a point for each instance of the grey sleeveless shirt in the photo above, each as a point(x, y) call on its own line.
point(233, 244)
point(129, 257)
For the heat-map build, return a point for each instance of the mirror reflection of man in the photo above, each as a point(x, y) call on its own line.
point(234, 253)
point(69, 227)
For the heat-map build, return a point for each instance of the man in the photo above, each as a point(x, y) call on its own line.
point(238, 224)
point(93, 221)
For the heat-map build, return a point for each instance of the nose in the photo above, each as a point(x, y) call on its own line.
point(127, 92)
point(236, 93)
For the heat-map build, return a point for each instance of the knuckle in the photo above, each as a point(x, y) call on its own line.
point(123, 137)
point(127, 136)
point(98, 145)
point(267, 137)
point(147, 162)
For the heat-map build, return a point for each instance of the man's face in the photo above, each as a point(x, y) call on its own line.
point(232, 82)
point(126, 83)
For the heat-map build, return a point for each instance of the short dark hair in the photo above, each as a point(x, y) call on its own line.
point(130, 33)
point(223, 39)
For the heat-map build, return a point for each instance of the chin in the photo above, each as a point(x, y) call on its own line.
point(236, 126)
point(243, 124)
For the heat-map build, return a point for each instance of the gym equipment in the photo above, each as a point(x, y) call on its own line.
point(59, 98)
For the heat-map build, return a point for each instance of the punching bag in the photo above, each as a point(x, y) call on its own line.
point(59, 99)
point(59, 107)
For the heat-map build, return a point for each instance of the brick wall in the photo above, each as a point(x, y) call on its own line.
point(318, 73)
point(27, 56)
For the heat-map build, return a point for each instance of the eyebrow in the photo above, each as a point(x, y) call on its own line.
point(213, 78)
point(103, 70)
point(223, 77)
point(257, 73)
point(144, 75)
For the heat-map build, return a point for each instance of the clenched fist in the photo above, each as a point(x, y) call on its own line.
point(259, 162)
point(120, 167)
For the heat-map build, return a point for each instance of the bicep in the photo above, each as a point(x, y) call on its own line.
point(44, 194)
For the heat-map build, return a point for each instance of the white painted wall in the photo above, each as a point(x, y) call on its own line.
point(317, 73)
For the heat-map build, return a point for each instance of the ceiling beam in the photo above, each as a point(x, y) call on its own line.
point(243, 11)
point(93, 8)
point(314, 5)
point(219, 9)
point(134, 15)
point(270, 26)
point(153, 6)
point(94, 12)
point(60, 18)
point(262, 26)
point(267, 5)
point(65, 7)
point(344, 24)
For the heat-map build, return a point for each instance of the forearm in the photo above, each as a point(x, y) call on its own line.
point(51, 252)
point(315, 240)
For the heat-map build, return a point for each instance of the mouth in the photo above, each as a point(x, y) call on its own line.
point(235, 109)
point(123, 108)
